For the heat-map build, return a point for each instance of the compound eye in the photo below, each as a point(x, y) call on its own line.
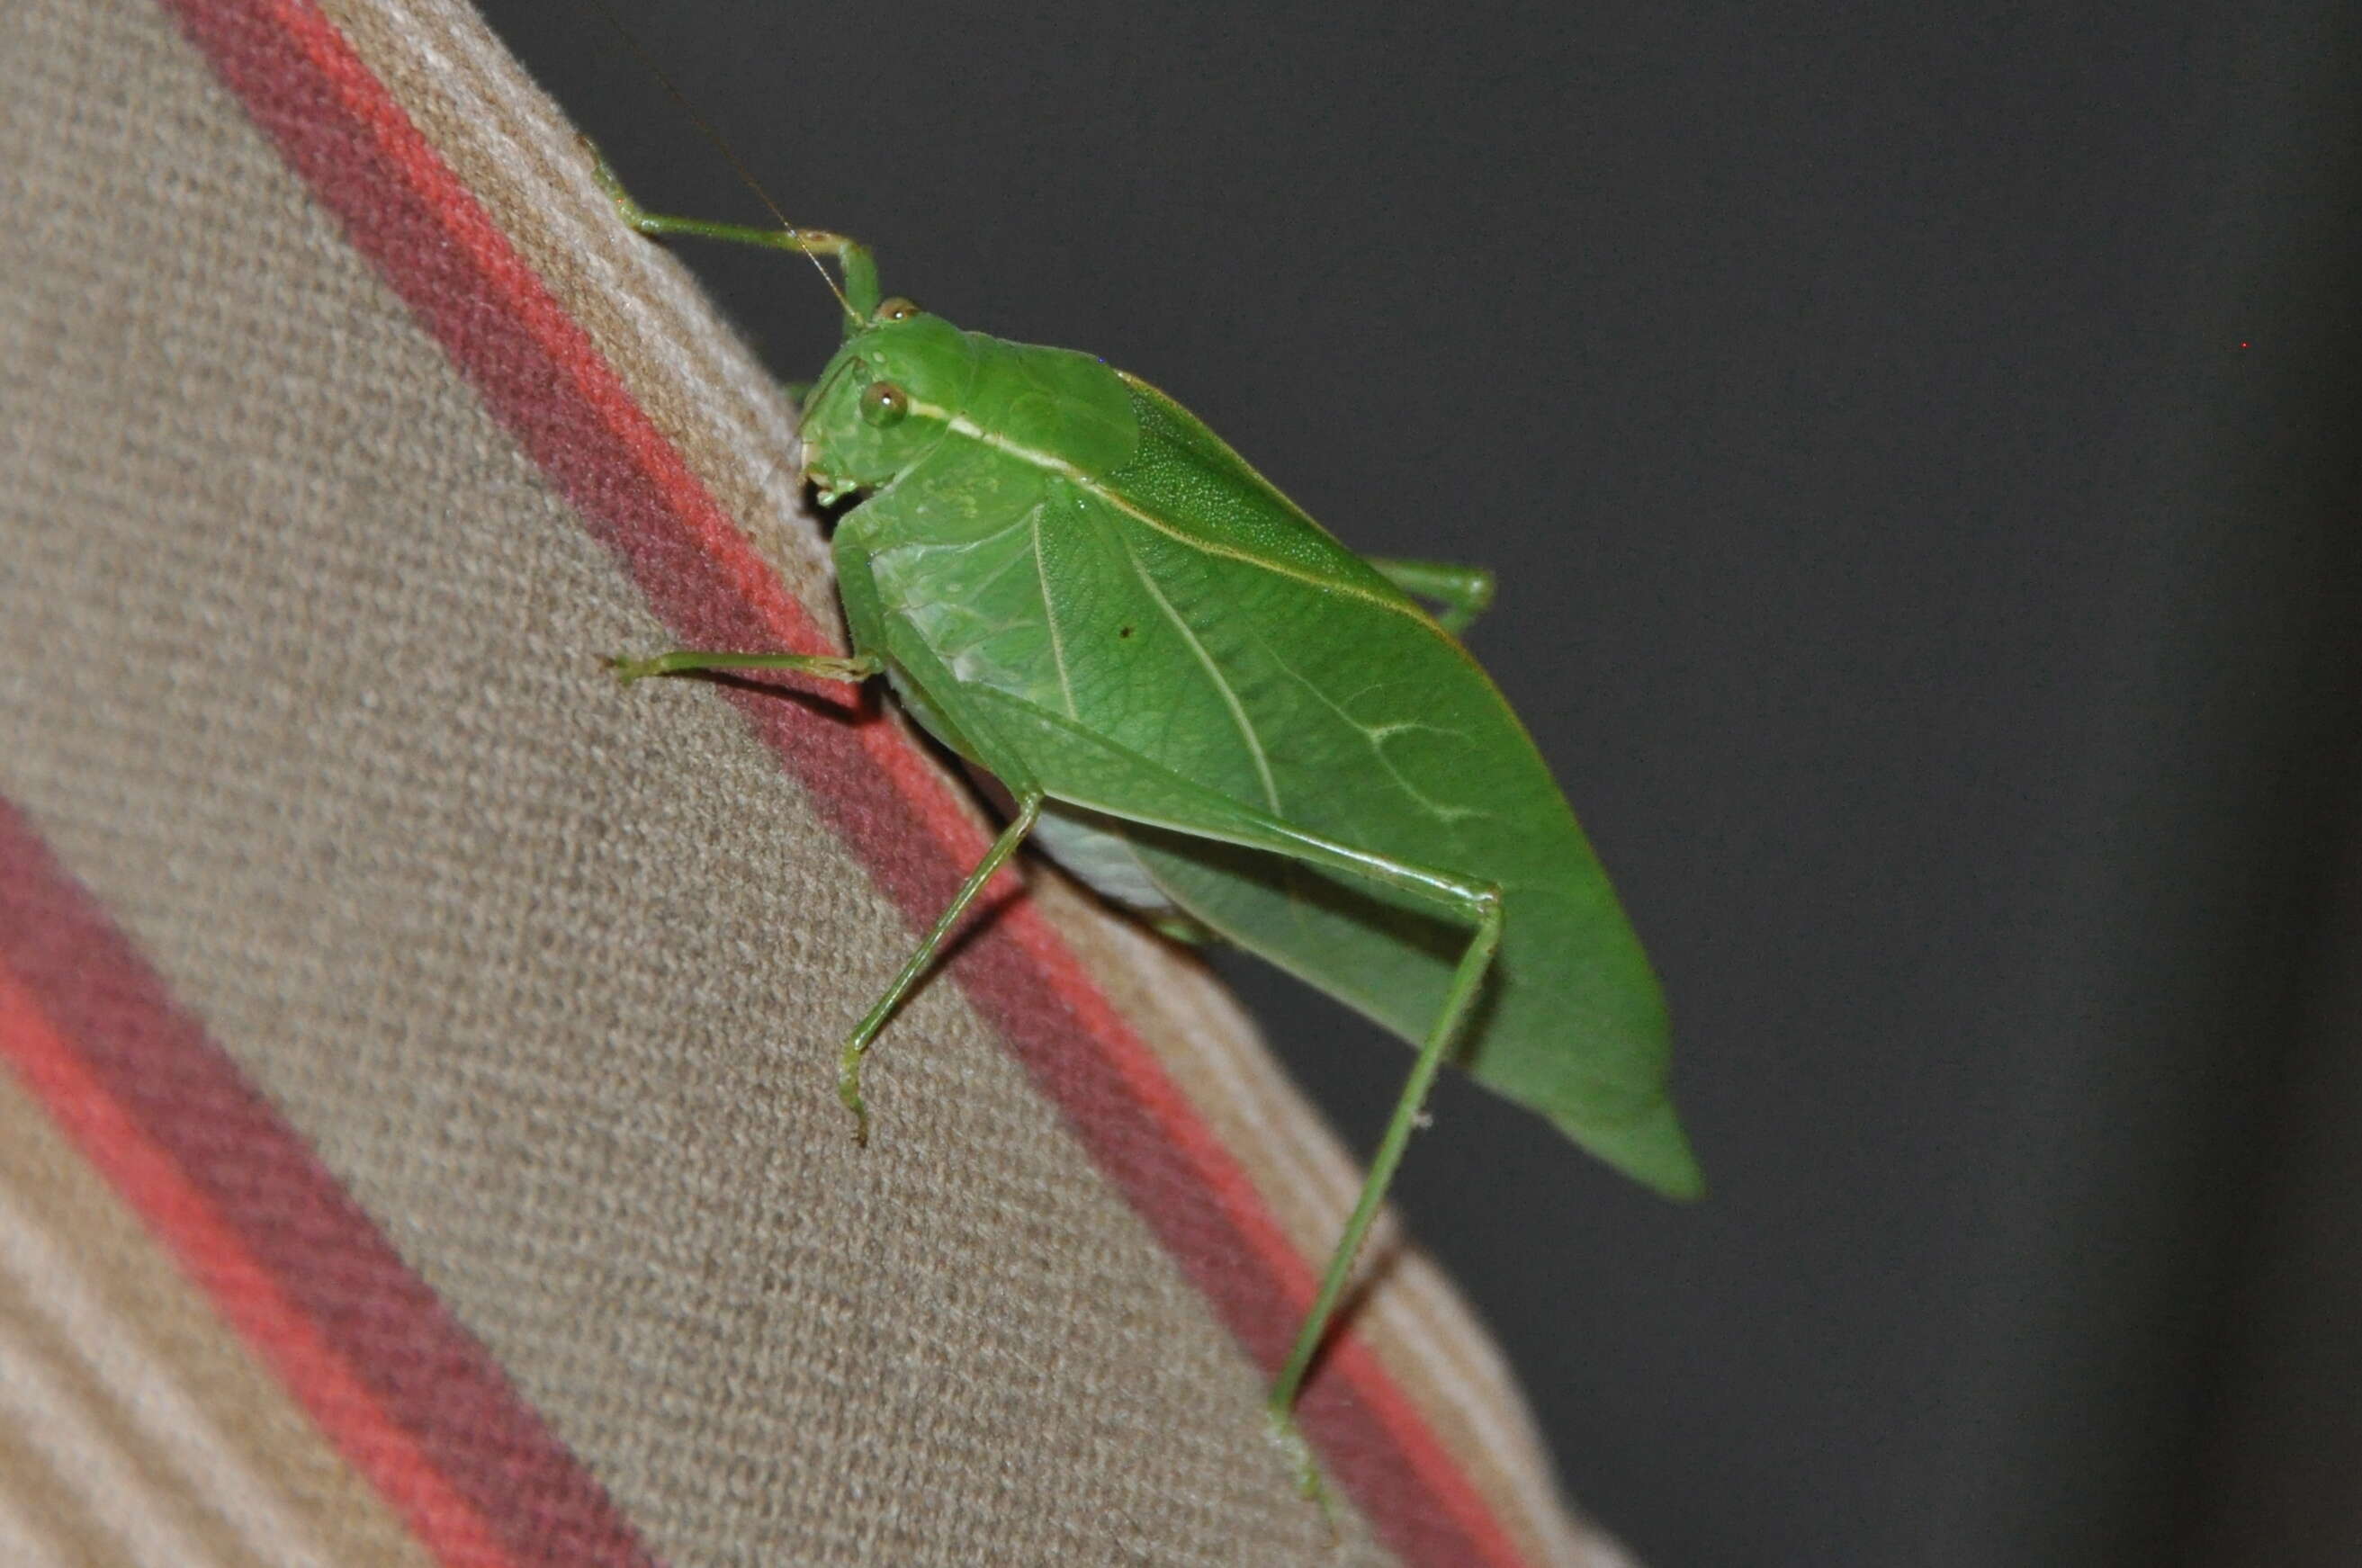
point(884, 403)
point(896, 309)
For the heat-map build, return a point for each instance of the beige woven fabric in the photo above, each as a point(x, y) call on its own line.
point(298, 674)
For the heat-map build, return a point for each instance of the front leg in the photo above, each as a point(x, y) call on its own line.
point(853, 257)
point(854, 670)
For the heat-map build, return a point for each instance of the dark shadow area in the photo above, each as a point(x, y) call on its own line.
point(857, 704)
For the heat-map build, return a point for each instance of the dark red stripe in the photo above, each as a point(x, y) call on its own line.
point(536, 369)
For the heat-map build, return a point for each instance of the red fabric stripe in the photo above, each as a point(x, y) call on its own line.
point(410, 1398)
point(538, 371)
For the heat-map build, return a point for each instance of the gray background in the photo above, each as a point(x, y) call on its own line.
point(1915, 444)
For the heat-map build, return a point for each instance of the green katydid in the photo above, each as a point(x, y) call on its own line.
point(1209, 709)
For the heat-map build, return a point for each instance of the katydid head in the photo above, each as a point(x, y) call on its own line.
point(886, 397)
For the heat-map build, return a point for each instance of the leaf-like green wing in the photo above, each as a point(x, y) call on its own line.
point(1178, 614)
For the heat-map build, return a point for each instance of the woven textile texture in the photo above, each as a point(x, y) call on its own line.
point(417, 1132)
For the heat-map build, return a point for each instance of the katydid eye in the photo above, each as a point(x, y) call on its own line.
point(896, 309)
point(884, 403)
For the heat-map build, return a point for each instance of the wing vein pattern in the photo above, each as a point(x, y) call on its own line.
point(1222, 686)
point(1050, 605)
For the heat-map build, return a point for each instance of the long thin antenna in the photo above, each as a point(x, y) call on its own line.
point(729, 153)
